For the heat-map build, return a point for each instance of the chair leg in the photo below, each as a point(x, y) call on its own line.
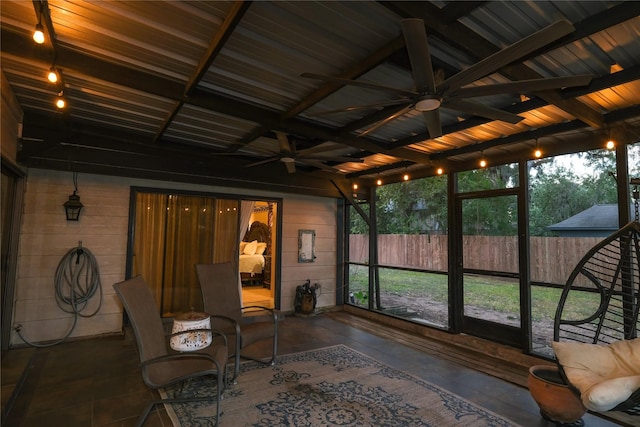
point(236, 367)
point(272, 360)
point(220, 388)
point(219, 396)
point(143, 417)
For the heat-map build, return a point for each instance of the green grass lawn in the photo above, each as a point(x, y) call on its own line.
point(489, 293)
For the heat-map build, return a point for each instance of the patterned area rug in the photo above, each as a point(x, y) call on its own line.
point(332, 386)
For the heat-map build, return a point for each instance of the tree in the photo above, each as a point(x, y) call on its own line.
point(412, 207)
point(494, 216)
point(557, 193)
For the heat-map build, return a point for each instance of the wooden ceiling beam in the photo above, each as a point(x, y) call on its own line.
point(72, 59)
point(232, 19)
point(611, 119)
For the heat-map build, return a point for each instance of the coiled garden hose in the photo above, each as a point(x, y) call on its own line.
point(76, 281)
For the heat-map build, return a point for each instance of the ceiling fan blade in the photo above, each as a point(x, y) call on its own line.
point(383, 122)
point(481, 110)
point(290, 164)
point(522, 86)
point(320, 148)
point(283, 140)
point(369, 85)
point(432, 121)
point(506, 56)
point(318, 165)
point(415, 39)
point(263, 162)
point(362, 107)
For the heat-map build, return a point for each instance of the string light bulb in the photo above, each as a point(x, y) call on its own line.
point(53, 75)
point(610, 144)
point(60, 102)
point(379, 181)
point(406, 177)
point(483, 161)
point(439, 171)
point(38, 34)
point(537, 153)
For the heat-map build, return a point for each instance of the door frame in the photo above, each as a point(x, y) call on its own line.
point(11, 237)
point(519, 337)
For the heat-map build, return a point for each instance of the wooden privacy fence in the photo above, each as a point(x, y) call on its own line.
point(552, 258)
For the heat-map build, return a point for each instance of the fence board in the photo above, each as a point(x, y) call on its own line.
point(552, 258)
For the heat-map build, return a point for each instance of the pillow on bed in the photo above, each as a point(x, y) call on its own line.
point(605, 375)
point(242, 246)
point(261, 248)
point(250, 248)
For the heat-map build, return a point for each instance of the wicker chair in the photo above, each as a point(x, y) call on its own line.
point(160, 368)
point(611, 272)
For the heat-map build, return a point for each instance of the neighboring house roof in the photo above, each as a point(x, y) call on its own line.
point(597, 217)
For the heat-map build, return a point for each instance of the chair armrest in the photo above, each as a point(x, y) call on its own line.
point(236, 325)
point(256, 311)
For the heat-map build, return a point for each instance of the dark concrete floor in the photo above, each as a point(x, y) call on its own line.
point(97, 382)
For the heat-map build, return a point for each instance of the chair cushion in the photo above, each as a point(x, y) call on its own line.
point(605, 375)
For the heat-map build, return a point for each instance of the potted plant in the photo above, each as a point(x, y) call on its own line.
point(306, 297)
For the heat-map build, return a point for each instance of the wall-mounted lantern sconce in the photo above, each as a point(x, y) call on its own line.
point(72, 207)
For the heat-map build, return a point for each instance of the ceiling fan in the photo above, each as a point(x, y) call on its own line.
point(430, 94)
point(310, 156)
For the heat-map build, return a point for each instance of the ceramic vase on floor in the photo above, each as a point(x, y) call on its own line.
point(556, 400)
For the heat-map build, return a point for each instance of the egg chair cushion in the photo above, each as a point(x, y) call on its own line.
point(604, 375)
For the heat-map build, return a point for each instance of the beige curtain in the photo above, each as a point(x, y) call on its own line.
point(189, 241)
point(172, 234)
point(148, 247)
point(226, 241)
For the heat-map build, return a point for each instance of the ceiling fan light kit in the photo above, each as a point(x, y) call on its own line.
point(428, 103)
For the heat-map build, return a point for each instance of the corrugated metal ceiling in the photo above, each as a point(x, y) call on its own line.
point(252, 87)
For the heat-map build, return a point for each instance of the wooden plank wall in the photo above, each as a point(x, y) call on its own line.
point(309, 213)
point(46, 236)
